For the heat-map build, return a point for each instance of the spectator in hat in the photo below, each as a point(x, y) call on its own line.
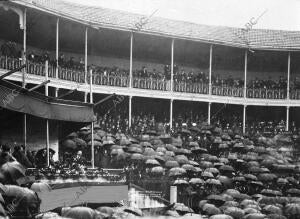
point(20, 156)
point(5, 155)
point(79, 161)
point(41, 158)
point(61, 60)
point(31, 157)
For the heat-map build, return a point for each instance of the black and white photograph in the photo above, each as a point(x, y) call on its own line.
point(149, 109)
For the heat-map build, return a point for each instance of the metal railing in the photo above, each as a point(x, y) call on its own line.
point(110, 80)
point(71, 75)
point(151, 83)
point(295, 94)
point(189, 87)
point(145, 83)
point(227, 91)
point(266, 93)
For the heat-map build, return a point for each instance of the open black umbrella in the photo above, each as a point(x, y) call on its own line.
point(134, 211)
point(184, 132)
point(226, 168)
point(151, 132)
point(270, 192)
point(294, 192)
point(171, 164)
point(69, 144)
point(195, 129)
point(106, 210)
point(12, 172)
point(23, 202)
point(217, 200)
point(79, 213)
point(80, 142)
point(292, 209)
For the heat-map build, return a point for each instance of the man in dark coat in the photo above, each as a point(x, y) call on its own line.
point(5, 155)
point(79, 161)
point(20, 156)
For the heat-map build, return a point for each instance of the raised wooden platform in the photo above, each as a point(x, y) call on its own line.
point(78, 193)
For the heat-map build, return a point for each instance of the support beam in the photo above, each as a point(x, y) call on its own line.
point(24, 30)
point(210, 70)
point(47, 121)
point(287, 118)
point(25, 130)
point(92, 124)
point(85, 55)
point(24, 48)
point(85, 97)
point(55, 96)
point(56, 92)
point(244, 119)
point(91, 86)
point(47, 78)
point(104, 99)
point(171, 113)
point(93, 146)
point(129, 111)
point(85, 61)
point(17, 10)
point(208, 114)
point(288, 77)
point(172, 65)
point(47, 143)
point(57, 47)
point(11, 72)
point(65, 94)
point(39, 85)
point(245, 74)
point(24, 71)
point(130, 60)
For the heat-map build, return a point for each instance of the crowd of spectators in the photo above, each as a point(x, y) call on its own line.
point(181, 75)
point(268, 84)
point(117, 121)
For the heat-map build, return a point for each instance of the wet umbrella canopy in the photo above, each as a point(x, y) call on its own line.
point(221, 216)
point(12, 171)
point(158, 170)
point(40, 187)
point(69, 144)
point(79, 213)
point(211, 209)
point(137, 157)
point(177, 171)
point(234, 212)
point(171, 164)
point(26, 202)
point(196, 181)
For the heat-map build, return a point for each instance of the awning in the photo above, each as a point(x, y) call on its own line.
point(13, 97)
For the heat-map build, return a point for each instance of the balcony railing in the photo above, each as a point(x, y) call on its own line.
point(189, 87)
point(71, 75)
point(151, 83)
point(266, 93)
point(227, 91)
point(146, 83)
point(295, 94)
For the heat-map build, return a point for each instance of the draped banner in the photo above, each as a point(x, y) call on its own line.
point(15, 98)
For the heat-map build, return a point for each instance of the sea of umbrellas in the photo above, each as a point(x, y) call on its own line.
point(219, 174)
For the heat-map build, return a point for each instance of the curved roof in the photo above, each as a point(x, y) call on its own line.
point(98, 17)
